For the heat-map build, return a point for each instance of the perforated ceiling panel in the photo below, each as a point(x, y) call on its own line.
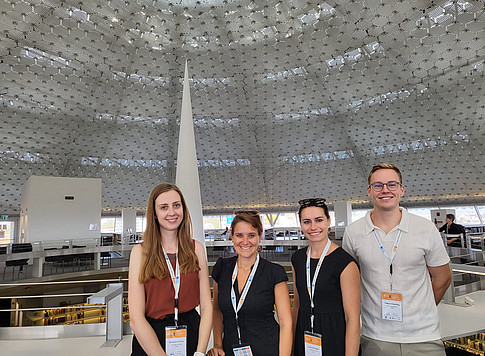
point(290, 99)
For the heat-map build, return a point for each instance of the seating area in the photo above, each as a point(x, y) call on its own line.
point(20, 263)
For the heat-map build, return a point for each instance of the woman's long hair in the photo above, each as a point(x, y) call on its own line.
point(153, 261)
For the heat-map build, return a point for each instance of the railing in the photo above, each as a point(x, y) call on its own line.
point(112, 297)
point(84, 317)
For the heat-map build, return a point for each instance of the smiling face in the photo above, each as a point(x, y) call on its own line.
point(314, 223)
point(385, 200)
point(169, 210)
point(246, 239)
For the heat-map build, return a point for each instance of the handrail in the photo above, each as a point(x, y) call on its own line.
point(62, 282)
point(55, 307)
point(479, 270)
point(112, 297)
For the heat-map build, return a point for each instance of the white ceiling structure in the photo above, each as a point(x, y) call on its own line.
point(291, 99)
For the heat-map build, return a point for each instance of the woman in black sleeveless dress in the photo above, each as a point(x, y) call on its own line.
point(336, 295)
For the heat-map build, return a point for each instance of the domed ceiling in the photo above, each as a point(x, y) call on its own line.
point(290, 99)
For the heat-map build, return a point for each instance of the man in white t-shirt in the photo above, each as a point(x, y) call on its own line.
point(404, 271)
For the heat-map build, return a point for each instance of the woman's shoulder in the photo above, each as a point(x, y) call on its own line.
point(299, 254)
point(341, 253)
point(224, 264)
point(268, 264)
point(341, 257)
point(223, 268)
point(272, 269)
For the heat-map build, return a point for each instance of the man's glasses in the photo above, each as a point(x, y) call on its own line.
point(248, 212)
point(391, 186)
point(319, 202)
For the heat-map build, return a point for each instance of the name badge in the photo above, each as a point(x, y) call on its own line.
point(242, 350)
point(392, 306)
point(313, 344)
point(176, 340)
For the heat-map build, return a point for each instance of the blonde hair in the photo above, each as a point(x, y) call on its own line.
point(153, 261)
point(385, 166)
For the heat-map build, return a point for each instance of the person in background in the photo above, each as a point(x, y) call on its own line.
point(405, 272)
point(246, 288)
point(327, 288)
point(451, 228)
point(168, 279)
point(224, 233)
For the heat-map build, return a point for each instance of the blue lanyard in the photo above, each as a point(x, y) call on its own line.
point(386, 255)
point(311, 287)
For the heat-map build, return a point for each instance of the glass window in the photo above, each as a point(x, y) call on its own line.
point(481, 210)
point(465, 215)
point(107, 225)
point(141, 224)
point(287, 220)
point(226, 220)
point(332, 218)
point(212, 222)
point(119, 225)
point(423, 212)
point(6, 232)
point(358, 214)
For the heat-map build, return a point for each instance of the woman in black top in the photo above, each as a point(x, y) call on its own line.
point(255, 318)
point(336, 295)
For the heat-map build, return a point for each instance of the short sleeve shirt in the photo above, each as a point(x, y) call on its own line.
point(420, 246)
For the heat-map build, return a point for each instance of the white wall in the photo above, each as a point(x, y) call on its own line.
point(47, 215)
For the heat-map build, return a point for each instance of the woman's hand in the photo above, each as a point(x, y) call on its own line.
point(216, 351)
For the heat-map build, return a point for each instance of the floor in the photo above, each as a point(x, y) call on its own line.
point(85, 346)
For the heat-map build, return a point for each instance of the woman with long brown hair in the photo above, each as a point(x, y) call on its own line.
point(168, 279)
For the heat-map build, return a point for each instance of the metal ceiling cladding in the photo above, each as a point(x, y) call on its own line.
point(290, 98)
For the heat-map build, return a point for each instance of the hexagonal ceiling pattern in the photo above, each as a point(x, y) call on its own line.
point(290, 99)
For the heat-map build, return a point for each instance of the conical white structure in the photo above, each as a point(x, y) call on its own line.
point(187, 174)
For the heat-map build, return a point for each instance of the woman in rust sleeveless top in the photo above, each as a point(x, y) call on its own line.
point(168, 278)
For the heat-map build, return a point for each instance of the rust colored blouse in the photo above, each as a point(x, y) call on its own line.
point(160, 294)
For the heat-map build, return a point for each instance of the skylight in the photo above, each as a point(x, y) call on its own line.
point(41, 57)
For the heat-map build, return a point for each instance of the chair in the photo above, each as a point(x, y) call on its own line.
point(18, 248)
point(105, 259)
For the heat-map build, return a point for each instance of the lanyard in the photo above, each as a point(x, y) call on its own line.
point(311, 287)
point(244, 292)
point(386, 255)
point(175, 281)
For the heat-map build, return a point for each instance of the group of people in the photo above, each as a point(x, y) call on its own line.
point(397, 258)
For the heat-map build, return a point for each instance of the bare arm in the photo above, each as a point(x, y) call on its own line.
point(350, 287)
point(136, 300)
point(217, 324)
point(296, 303)
point(283, 309)
point(205, 325)
point(440, 280)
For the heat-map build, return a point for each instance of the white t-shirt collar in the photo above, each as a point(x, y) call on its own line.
point(403, 224)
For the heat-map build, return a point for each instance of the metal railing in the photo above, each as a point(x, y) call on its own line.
point(25, 310)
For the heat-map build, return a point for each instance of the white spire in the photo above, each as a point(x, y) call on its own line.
point(187, 175)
